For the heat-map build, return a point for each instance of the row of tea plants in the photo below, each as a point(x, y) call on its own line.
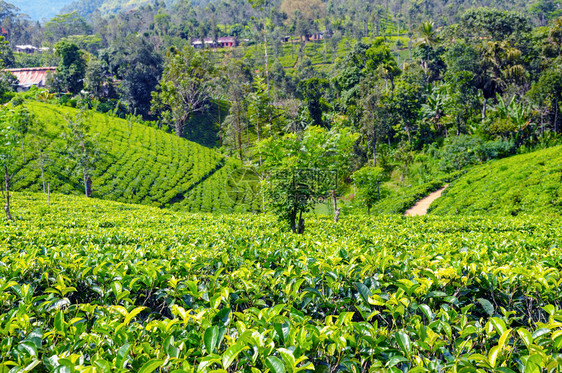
point(135, 163)
point(96, 286)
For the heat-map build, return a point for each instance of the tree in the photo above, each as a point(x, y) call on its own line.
point(303, 12)
point(303, 169)
point(547, 92)
point(236, 83)
point(186, 87)
point(136, 63)
point(408, 99)
point(493, 23)
point(42, 159)
point(70, 73)
point(377, 111)
point(8, 144)
point(22, 122)
point(80, 148)
point(312, 92)
point(368, 180)
point(64, 25)
point(95, 80)
point(6, 53)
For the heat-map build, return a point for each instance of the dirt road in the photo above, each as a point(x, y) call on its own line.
point(421, 207)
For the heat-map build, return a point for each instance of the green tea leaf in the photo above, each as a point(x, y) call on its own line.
point(488, 307)
point(151, 366)
point(275, 365)
point(231, 353)
point(211, 338)
point(404, 342)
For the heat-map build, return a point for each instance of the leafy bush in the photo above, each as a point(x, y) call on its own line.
point(459, 152)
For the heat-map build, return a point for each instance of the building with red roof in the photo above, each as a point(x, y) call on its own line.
point(32, 76)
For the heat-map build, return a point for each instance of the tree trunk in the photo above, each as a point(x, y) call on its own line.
point(43, 178)
point(266, 58)
point(336, 209)
point(293, 221)
point(374, 147)
point(239, 130)
point(300, 229)
point(220, 123)
point(85, 184)
point(7, 190)
point(556, 116)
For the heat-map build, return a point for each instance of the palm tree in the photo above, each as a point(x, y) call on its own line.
point(427, 35)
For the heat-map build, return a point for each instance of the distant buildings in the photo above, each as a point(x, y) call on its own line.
point(29, 49)
point(232, 41)
point(33, 76)
point(222, 42)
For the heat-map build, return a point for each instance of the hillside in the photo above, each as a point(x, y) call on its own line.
point(137, 164)
point(40, 10)
point(87, 7)
point(528, 183)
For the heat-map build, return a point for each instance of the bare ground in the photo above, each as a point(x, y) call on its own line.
point(421, 207)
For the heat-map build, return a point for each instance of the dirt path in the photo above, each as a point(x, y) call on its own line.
point(421, 207)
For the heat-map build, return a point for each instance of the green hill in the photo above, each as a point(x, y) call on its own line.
point(137, 164)
point(528, 183)
point(39, 10)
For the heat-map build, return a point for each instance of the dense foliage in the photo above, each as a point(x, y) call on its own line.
point(427, 85)
point(90, 284)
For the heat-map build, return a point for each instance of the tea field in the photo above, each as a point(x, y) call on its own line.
point(523, 184)
point(135, 163)
point(96, 286)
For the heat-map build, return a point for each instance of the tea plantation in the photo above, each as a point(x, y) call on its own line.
point(95, 286)
point(136, 163)
point(528, 183)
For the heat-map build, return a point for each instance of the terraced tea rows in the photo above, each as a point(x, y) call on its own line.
point(528, 183)
point(137, 163)
point(90, 285)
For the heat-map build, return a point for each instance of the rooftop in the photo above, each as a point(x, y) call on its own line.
point(31, 76)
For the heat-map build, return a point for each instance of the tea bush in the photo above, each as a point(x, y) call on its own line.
point(93, 286)
point(528, 183)
point(137, 163)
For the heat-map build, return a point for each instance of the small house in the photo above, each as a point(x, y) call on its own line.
point(28, 49)
point(207, 42)
point(29, 77)
point(227, 41)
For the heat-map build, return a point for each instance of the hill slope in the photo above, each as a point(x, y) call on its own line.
point(528, 183)
point(137, 164)
point(39, 10)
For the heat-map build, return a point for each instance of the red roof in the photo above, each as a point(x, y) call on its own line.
point(32, 76)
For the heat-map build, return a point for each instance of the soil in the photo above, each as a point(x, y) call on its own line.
point(421, 207)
